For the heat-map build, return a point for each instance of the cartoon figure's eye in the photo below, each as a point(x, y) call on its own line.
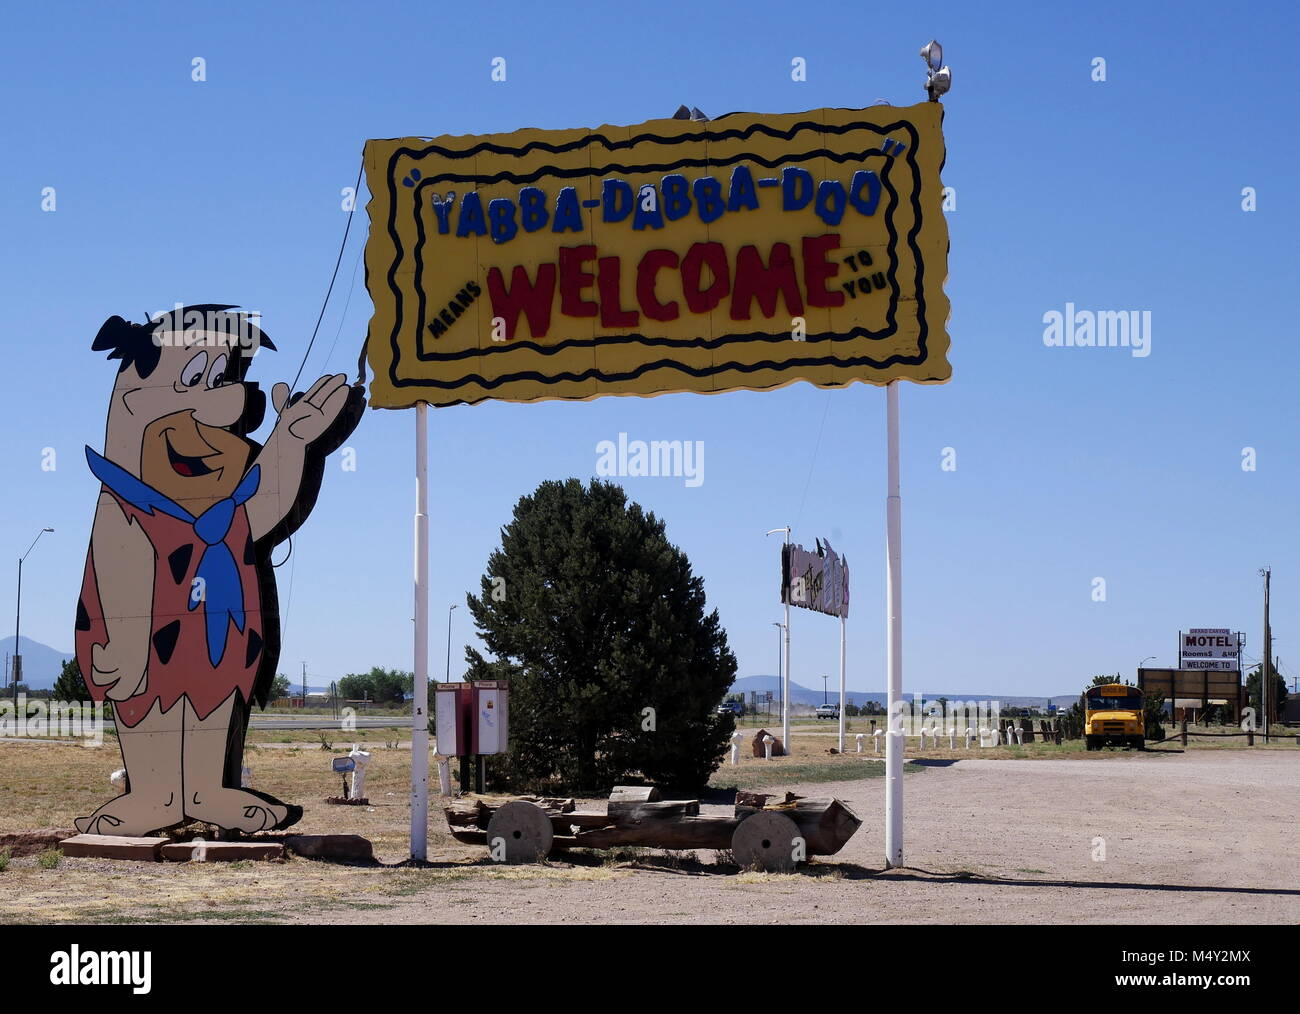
point(218, 375)
point(194, 369)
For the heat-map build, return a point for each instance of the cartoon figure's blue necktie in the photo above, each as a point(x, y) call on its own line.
point(219, 589)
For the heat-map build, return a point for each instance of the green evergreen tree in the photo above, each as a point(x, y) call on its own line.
point(70, 686)
point(595, 617)
point(1253, 681)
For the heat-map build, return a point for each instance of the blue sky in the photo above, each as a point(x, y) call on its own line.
point(1071, 463)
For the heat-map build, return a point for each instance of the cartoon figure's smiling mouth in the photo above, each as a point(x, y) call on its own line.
point(183, 464)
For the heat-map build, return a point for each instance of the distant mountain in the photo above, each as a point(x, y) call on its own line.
point(801, 696)
point(41, 663)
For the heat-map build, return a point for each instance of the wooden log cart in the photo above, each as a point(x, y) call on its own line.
point(764, 832)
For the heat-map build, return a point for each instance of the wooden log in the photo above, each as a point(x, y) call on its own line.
point(466, 812)
point(635, 794)
point(751, 802)
point(551, 804)
point(825, 823)
point(477, 811)
point(630, 814)
point(587, 818)
point(564, 823)
point(673, 833)
point(469, 835)
point(559, 823)
point(478, 836)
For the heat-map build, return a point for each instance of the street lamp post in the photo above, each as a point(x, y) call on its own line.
point(785, 677)
point(780, 638)
point(449, 611)
point(18, 614)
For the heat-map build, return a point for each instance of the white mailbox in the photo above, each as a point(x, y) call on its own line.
point(491, 717)
point(473, 719)
point(451, 719)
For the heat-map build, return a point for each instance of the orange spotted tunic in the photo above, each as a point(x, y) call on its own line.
point(179, 664)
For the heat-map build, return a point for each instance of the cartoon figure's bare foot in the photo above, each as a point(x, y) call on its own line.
point(132, 815)
point(238, 810)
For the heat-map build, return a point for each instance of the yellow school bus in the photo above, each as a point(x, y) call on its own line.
point(1113, 714)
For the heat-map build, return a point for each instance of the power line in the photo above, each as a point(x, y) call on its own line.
point(352, 288)
point(337, 261)
point(812, 463)
point(356, 190)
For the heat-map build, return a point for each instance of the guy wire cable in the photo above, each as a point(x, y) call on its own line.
point(337, 261)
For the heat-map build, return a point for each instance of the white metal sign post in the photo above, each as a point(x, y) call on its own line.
point(842, 622)
point(420, 691)
point(785, 674)
point(894, 641)
point(819, 582)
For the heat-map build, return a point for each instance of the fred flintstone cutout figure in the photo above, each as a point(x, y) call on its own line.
point(178, 620)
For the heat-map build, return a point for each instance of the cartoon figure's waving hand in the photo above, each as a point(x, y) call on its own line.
point(308, 416)
point(310, 426)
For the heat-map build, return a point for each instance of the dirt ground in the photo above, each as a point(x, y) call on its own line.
point(986, 842)
point(1203, 836)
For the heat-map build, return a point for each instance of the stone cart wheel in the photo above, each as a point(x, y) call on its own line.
point(519, 832)
point(766, 841)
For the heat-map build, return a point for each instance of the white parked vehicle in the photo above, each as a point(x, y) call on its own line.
point(828, 711)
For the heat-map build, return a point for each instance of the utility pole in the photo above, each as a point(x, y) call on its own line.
point(785, 677)
point(304, 686)
point(1266, 668)
point(449, 612)
point(18, 615)
point(780, 666)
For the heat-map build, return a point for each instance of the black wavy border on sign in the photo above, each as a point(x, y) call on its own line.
point(785, 365)
point(553, 348)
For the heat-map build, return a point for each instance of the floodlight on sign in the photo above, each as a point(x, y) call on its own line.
point(938, 78)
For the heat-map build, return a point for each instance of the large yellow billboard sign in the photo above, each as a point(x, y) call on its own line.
point(747, 252)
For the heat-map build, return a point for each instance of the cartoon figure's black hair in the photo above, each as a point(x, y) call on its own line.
point(134, 344)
